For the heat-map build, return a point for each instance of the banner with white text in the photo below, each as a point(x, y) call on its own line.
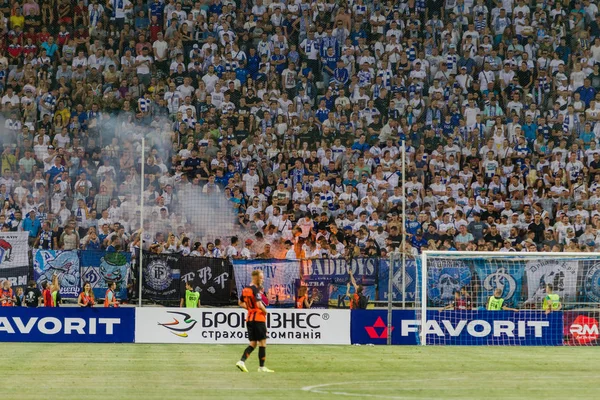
point(280, 278)
point(211, 277)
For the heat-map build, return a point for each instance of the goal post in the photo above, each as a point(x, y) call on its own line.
point(531, 292)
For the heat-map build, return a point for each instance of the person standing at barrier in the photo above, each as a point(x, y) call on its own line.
point(7, 296)
point(303, 300)
point(496, 302)
point(191, 298)
point(458, 304)
point(51, 292)
point(358, 301)
point(251, 300)
point(20, 297)
point(551, 301)
point(86, 297)
point(110, 297)
point(33, 296)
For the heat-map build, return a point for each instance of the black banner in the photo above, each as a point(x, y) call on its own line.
point(211, 277)
point(161, 276)
point(17, 276)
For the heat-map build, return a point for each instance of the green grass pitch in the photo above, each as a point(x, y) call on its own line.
point(92, 371)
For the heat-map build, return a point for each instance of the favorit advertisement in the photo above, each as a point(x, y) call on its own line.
point(228, 326)
point(464, 328)
point(67, 325)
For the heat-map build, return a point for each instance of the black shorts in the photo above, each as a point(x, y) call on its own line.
point(257, 331)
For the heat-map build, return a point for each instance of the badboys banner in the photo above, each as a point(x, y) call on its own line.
point(14, 249)
point(100, 267)
point(211, 277)
point(364, 270)
point(228, 326)
point(65, 264)
point(280, 278)
point(410, 280)
point(160, 278)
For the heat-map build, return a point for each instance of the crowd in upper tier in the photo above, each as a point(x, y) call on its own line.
point(296, 114)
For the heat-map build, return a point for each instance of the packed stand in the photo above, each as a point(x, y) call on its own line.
point(294, 113)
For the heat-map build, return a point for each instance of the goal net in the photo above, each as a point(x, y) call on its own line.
point(496, 298)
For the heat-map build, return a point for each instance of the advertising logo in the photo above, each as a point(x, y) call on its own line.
point(177, 327)
point(159, 275)
point(378, 330)
point(503, 280)
point(584, 329)
point(592, 283)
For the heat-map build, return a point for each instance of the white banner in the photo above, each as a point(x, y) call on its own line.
point(14, 249)
point(561, 274)
point(228, 326)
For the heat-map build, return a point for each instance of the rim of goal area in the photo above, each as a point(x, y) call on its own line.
point(513, 254)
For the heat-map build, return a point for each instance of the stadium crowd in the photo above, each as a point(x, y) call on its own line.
point(295, 113)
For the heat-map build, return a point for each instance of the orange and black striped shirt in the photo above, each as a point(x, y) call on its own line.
point(251, 296)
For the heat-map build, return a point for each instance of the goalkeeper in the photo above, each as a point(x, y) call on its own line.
point(496, 302)
point(551, 301)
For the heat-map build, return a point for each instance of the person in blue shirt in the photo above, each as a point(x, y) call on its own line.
point(32, 225)
point(361, 145)
point(329, 62)
point(529, 129)
point(55, 170)
point(586, 92)
point(412, 225)
point(253, 62)
point(340, 74)
point(418, 241)
point(322, 112)
point(157, 10)
point(587, 135)
point(278, 60)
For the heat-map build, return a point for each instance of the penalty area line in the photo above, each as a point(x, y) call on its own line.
point(321, 389)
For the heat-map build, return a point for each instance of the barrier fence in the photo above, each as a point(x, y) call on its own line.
point(218, 280)
point(286, 326)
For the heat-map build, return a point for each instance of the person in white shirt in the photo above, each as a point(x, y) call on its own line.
point(290, 253)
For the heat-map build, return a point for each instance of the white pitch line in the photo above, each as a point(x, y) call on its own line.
point(317, 388)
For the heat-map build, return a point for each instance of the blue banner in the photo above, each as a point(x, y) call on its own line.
point(280, 278)
point(99, 267)
point(65, 264)
point(67, 325)
point(494, 328)
point(338, 298)
point(507, 277)
point(317, 291)
point(444, 280)
point(591, 281)
point(410, 281)
point(523, 328)
point(364, 270)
